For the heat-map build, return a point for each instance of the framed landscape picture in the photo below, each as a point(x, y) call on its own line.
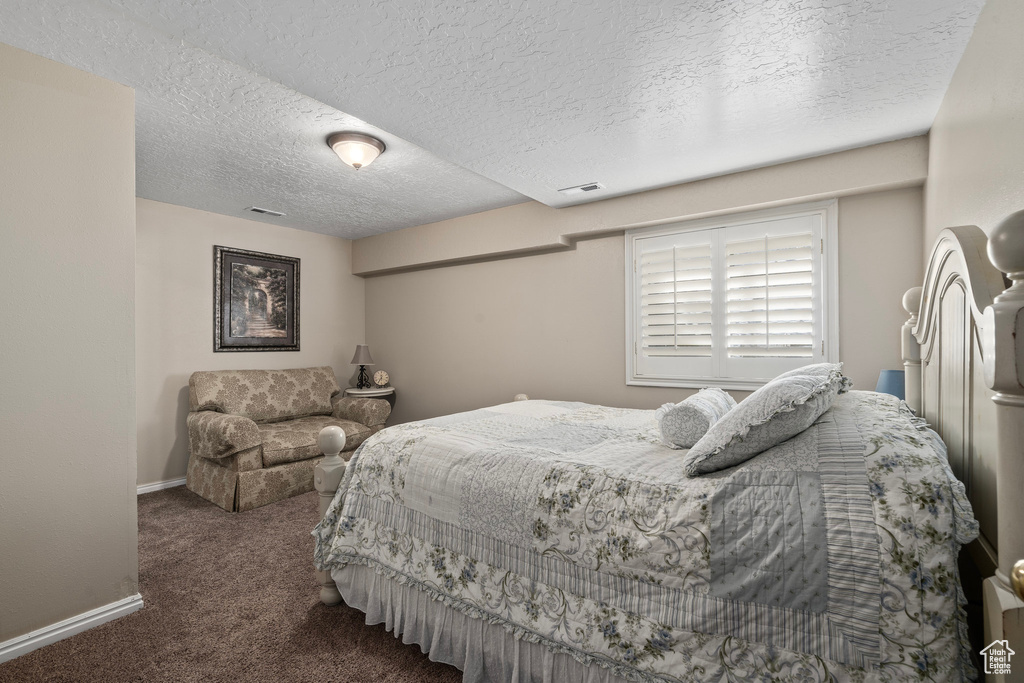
point(256, 301)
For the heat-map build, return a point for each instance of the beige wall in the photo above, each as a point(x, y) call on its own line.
point(879, 234)
point(552, 325)
point(174, 295)
point(976, 164)
point(68, 530)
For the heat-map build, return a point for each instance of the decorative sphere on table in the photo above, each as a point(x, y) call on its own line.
point(521, 397)
point(331, 440)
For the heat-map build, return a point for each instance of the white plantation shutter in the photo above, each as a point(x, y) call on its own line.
point(675, 301)
point(735, 303)
point(772, 292)
point(770, 297)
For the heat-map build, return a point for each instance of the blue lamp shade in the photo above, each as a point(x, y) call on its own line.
point(891, 382)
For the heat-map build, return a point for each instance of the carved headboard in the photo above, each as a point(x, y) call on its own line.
point(963, 351)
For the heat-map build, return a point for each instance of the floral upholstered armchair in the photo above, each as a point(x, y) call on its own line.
point(252, 433)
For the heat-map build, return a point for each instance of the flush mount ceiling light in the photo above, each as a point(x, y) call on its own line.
point(355, 149)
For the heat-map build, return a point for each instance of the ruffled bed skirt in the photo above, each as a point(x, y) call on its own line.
point(486, 653)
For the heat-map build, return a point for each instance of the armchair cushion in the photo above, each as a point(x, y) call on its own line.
point(264, 395)
point(216, 435)
point(296, 439)
point(368, 411)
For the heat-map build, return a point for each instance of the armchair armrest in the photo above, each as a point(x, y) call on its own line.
point(366, 411)
point(219, 435)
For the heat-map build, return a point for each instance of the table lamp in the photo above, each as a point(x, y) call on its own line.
point(362, 359)
point(891, 382)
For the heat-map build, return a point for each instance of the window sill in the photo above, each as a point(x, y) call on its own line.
point(699, 383)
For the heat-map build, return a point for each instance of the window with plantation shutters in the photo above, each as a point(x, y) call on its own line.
point(731, 302)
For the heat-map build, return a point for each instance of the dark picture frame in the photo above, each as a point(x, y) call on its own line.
point(255, 301)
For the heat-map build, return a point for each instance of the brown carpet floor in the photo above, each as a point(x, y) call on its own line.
point(229, 597)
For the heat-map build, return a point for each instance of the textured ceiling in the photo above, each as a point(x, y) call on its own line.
point(213, 136)
point(534, 95)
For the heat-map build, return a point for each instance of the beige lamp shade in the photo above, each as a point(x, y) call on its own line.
point(362, 356)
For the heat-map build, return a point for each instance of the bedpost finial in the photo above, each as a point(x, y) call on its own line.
point(912, 301)
point(331, 440)
point(1006, 251)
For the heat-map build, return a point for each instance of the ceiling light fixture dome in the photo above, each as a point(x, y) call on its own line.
point(356, 149)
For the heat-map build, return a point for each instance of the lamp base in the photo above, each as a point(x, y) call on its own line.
point(363, 381)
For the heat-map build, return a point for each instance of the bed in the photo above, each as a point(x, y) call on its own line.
point(556, 541)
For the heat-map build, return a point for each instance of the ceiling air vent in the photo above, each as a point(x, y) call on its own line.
point(580, 189)
point(265, 212)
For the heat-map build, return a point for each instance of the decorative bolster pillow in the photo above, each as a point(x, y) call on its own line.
point(683, 424)
point(778, 411)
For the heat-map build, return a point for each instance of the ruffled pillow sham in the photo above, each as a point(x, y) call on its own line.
point(778, 411)
point(683, 424)
point(818, 370)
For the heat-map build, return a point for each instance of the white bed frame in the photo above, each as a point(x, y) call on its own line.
point(963, 350)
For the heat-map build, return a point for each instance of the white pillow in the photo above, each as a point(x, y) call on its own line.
point(816, 370)
point(778, 411)
point(683, 424)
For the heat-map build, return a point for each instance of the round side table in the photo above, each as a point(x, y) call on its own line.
point(387, 393)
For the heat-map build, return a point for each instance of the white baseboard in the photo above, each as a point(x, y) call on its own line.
point(15, 647)
point(161, 485)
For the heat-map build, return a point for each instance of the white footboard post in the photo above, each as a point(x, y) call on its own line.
point(912, 351)
point(1004, 373)
point(326, 478)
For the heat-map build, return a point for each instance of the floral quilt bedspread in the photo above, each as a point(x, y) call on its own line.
point(829, 557)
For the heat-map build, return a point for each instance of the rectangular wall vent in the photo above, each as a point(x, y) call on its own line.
point(580, 189)
point(265, 212)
